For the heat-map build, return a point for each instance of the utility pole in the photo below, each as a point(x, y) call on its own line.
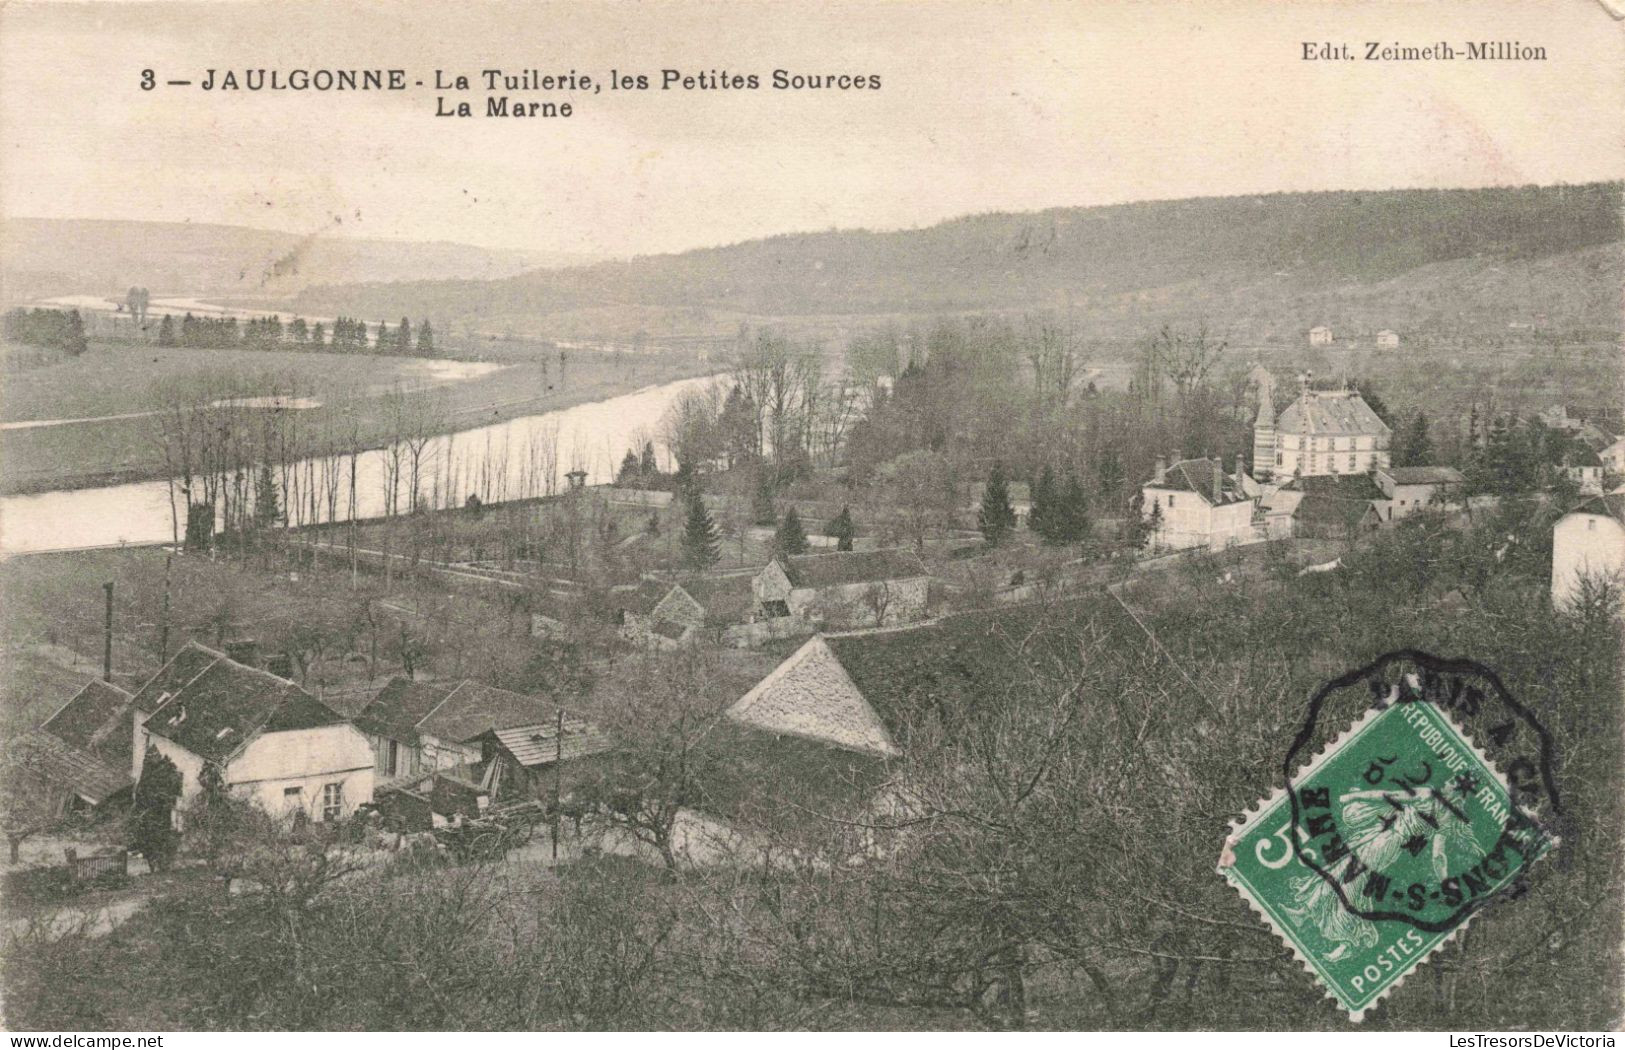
point(163, 631)
point(107, 635)
point(558, 778)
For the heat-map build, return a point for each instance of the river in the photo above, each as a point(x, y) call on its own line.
point(492, 461)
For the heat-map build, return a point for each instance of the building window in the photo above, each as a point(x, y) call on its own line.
point(1170, 503)
point(1351, 464)
point(332, 801)
point(776, 608)
point(392, 757)
point(1591, 525)
point(292, 793)
point(1278, 459)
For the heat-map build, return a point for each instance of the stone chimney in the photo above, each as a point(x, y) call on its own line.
point(1241, 469)
point(1179, 457)
point(1162, 469)
point(1218, 480)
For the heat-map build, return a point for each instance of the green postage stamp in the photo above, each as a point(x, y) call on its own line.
point(1384, 845)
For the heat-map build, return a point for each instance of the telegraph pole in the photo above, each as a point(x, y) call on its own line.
point(558, 778)
point(107, 635)
point(163, 632)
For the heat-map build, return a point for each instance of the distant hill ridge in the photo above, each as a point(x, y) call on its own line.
point(1206, 249)
point(44, 257)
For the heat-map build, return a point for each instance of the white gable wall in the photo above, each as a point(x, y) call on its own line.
point(272, 762)
point(1584, 545)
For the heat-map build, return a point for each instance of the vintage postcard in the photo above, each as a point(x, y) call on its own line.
point(870, 515)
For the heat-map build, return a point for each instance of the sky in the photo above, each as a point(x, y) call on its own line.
point(989, 106)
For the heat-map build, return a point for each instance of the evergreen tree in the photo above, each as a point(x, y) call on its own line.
point(647, 465)
point(761, 507)
point(738, 426)
point(403, 338)
point(1153, 524)
point(318, 336)
point(166, 331)
point(358, 335)
point(386, 339)
point(702, 545)
point(267, 509)
point(997, 517)
point(152, 831)
point(425, 339)
point(790, 538)
point(627, 476)
point(1415, 448)
point(1136, 530)
point(1073, 513)
point(842, 529)
point(1042, 518)
point(299, 332)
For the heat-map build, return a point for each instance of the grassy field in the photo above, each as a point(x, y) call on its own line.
point(127, 380)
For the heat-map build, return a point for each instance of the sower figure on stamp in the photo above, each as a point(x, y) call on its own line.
point(1405, 815)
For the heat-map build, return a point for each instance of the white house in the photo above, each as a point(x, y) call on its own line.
point(1322, 432)
point(1320, 335)
point(1588, 543)
point(1387, 340)
point(1613, 457)
point(1582, 466)
point(1195, 504)
point(270, 741)
point(846, 588)
point(1407, 490)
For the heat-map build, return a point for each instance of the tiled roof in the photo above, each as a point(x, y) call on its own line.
point(1576, 453)
point(1611, 505)
point(1196, 475)
point(97, 719)
point(455, 711)
point(399, 706)
point(1338, 486)
point(670, 629)
point(947, 668)
point(1345, 514)
point(538, 744)
point(217, 712)
point(726, 599)
point(777, 782)
point(642, 598)
point(53, 764)
point(846, 567)
point(191, 661)
point(1330, 412)
point(1425, 475)
point(473, 707)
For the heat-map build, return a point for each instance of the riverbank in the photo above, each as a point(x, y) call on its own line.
point(106, 452)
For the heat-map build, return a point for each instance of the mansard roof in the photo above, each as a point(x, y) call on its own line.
point(1333, 412)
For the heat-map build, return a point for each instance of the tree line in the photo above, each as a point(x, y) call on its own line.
point(62, 330)
point(269, 333)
